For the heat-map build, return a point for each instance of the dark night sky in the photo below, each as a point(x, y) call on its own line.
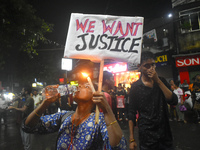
point(58, 12)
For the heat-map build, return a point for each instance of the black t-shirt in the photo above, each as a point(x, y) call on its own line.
point(153, 119)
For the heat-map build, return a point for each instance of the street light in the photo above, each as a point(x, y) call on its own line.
point(66, 65)
point(170, 15)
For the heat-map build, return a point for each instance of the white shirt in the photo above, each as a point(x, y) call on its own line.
point(179, 93)
point(3, 104)
point(37, 98)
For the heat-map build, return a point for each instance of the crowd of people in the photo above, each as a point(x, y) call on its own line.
point(150, 103)
point(188, 101)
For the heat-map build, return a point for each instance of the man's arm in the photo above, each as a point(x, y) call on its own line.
point(132, 118)
point(23, 109)
point(133, 145)
point(169, 95)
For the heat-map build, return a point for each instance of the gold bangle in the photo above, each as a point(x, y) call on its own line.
point(36, 114)
point(133, 140)
point(112, 123)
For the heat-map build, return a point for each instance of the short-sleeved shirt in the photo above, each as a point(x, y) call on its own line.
point(37, 98)
point(153, 121)
point(87, 135)
point(179, 93)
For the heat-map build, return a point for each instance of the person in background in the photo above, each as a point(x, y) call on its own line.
point(172, 108)
point(149, 97)
point(196, 100)
point(108, 84)
point(127, 102)
point(185, 86)
point(37, 98)
point(121, 109)
point(195, 79)
point(179, 92)
point(78, 130)
point(64, 102)
point(113, 97)
point(26, 109)
point(3, 110)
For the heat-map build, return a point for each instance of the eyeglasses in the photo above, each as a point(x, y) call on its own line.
point(148, 66)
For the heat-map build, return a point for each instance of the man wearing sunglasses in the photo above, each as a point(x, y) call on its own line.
point(149, 97)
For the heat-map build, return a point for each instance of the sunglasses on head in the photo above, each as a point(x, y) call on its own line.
point(148, 66)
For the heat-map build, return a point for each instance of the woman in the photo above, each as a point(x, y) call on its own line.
point(79, 131)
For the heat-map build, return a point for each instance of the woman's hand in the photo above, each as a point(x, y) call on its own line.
point(100, 99)
point(52, 99)
point(133, 146)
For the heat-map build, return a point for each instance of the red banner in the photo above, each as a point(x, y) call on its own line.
point(188, 61)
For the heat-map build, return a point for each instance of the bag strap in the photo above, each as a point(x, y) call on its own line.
point(62, 120)
point(66, 115)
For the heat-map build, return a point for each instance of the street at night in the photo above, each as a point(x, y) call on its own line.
point(118, 67)
point(186, 136)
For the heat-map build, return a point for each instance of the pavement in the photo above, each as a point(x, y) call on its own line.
point(186, 136)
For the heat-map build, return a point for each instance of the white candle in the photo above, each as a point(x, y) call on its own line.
point(91, 85)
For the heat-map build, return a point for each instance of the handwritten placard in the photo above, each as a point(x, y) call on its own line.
point(97, 37)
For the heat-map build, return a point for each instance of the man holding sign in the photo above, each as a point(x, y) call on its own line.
point(149, 96)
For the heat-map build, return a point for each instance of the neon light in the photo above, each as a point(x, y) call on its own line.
point(114, 68)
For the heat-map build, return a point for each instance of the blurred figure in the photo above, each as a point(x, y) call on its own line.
point(53, 108)
point(172, 108)
point(65, 103)
point(108, 84)
point(196, 99)
point(26, 109)
point(185, 86)
point(127, 103)
point(113, 97)
point(179, 92)
point(3, 110)
point(120, 98)
point(37, 98)
point(195, 79)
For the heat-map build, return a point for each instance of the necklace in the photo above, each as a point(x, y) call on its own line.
point(76, 125)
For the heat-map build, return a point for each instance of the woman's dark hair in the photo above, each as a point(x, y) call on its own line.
point(146, 55)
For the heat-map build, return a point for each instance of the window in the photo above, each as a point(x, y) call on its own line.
point(189, 19)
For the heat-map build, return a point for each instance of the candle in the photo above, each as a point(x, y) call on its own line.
point(89, 81)
point(93, 90)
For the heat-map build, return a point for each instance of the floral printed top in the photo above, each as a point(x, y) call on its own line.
point(87, 135)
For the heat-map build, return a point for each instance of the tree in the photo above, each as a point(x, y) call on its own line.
point(21, 29)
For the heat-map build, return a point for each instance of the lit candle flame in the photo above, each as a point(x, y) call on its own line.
point(89, 81)
point(84, 74)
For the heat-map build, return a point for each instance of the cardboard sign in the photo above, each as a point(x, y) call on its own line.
point(98, 37)
point(120, 102)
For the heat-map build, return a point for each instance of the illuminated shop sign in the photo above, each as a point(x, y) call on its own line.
point(114, 68)
point(73, 82)
point(187, 61)
point(161, 60)
point(37, 84)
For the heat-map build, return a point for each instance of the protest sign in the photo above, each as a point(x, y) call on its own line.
point(98, 37)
